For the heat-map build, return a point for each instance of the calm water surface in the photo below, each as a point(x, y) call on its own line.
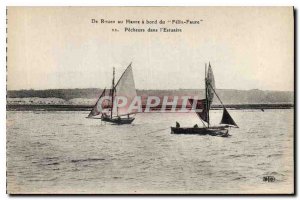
point(63, 152)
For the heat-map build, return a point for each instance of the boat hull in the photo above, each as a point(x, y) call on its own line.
point(119, 121)
point(213, 131)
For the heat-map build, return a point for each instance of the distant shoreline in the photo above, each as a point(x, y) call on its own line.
point(89, 96)
point(49, 107)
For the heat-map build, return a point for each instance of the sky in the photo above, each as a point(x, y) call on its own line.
point(59, 47)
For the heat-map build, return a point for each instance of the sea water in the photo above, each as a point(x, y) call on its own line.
point(64, 152)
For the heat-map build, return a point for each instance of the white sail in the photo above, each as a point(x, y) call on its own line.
point(125, 88)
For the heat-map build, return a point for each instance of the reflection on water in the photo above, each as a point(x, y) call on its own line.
point(63, 152)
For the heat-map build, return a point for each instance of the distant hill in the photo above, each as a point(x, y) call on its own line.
point(228, 96)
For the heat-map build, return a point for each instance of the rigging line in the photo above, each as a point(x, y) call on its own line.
point(220, 101)
point(202, 122)
point(200, 119)
point(103, 92)
point(216, 95)
point(100, 97)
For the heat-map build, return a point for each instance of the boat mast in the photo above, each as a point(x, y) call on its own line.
point(206, 97)
point(112, 93)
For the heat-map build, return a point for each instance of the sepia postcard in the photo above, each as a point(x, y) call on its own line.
point(150, 100)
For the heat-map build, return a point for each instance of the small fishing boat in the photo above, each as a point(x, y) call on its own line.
point(214, 131)
point(108, 109)
point(203, 106)
point(118, 120)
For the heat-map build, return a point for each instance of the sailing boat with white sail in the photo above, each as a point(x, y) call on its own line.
point(204, 105)
point(108, 108)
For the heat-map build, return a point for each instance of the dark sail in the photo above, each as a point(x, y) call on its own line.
point(210, 81)
point(95, 111)
point(201, 104)
point(227, 119)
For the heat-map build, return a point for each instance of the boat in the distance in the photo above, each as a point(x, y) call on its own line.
point(107, 109)
point(202, 107)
